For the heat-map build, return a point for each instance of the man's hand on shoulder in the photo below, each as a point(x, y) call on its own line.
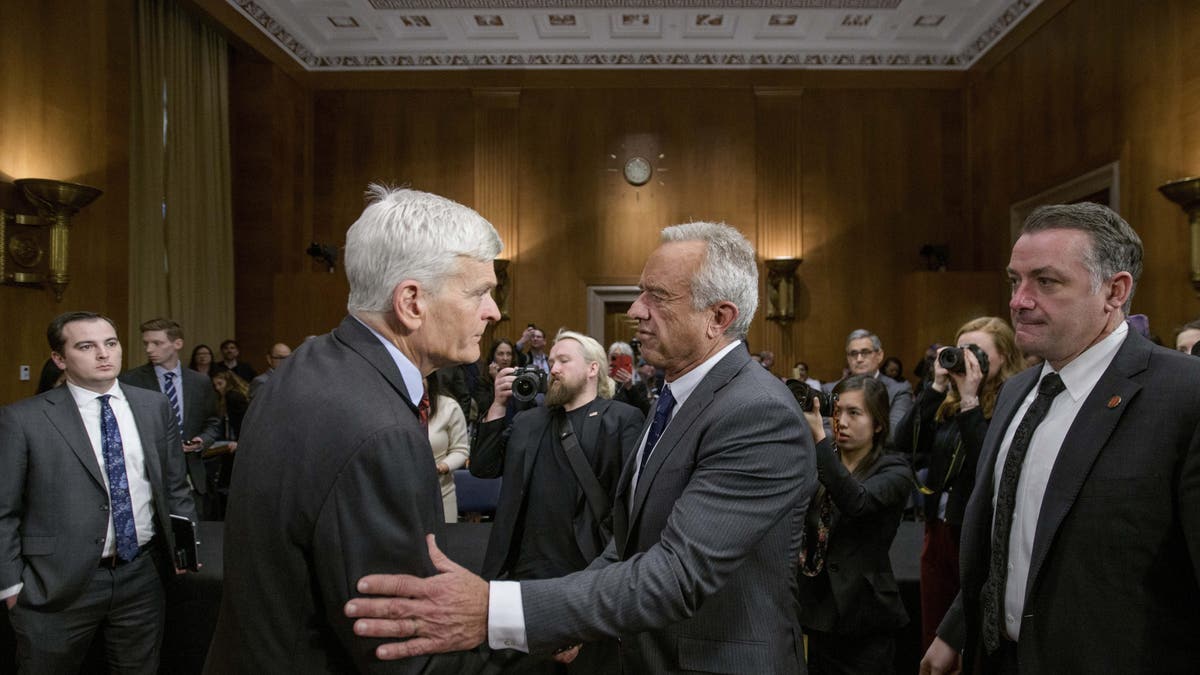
point(444, 613)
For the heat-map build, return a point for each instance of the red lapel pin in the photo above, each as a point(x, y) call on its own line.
point(1114, 402)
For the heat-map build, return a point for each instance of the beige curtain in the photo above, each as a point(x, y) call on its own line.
point(181, 231)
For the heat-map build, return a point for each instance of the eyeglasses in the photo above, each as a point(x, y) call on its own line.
point(860, 353)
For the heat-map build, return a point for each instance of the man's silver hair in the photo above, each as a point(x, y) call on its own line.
point(406, 234)
point(728, 272)
point(861, 333)
point(1116, 247)
point(619, 347)
point(593, 352)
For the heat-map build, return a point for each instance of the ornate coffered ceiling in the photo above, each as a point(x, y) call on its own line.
point(341, 35)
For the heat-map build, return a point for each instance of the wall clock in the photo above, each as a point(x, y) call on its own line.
point(638, 171)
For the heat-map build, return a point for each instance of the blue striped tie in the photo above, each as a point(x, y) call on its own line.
point(662, 415)
point(118, 482)
point(173, 397)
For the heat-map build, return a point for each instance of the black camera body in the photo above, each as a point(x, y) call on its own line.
point(529, 382)
point(953, 359)
point(805, 394)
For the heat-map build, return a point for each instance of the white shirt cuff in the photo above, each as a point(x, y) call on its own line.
point(506, 616)
point(14, 590)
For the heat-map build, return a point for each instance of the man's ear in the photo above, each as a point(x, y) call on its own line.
point(58, 360)
point(723, 315)
point(409, 304)
point(1118, 289)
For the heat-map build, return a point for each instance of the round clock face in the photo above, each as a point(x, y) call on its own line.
point(637, 171)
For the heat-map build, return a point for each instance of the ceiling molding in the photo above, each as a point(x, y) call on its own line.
point(323, 36)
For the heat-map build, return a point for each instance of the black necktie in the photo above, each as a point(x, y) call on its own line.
point(992, 595)
point(662, 415)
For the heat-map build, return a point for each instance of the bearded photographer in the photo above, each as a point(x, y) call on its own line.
point(944, 433)
point(560, 463)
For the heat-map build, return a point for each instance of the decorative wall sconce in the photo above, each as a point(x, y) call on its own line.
point(781, 289)
point(502, 287)
point(33, 255)
point(1186, 193)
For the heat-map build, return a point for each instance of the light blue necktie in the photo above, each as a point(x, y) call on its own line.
point(118, 482)
point(173, 397)
point(662, 415)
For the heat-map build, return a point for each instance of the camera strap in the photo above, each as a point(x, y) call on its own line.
point(952, 468)
point(596, 498)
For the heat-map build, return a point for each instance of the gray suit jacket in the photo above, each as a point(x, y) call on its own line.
point(335, 480)
point(700, 575)
point(199, 413)
point(1114, 577)
point(54, 508)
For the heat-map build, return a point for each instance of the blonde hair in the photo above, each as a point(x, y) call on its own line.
point(593, 352)
point(989, 389)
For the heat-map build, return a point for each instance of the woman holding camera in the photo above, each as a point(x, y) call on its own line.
point(944, 432)
point(850, 605)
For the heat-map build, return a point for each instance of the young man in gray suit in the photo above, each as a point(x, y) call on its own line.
point(191, 395)
point(89, 475)
point(335, 475)
point(700, 575)
point(1081, 542)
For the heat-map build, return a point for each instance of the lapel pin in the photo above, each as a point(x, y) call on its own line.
point(1114, 402)
point(593, 413)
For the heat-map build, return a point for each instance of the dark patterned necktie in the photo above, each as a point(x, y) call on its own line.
point(118, 482)
point(992, 595)
point(423, 411)
point(173, 397)
point(662, 415)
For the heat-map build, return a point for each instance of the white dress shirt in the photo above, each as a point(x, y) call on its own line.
point(413, 382)
point(1080, 377)
point(140, 494)
point(506, 611)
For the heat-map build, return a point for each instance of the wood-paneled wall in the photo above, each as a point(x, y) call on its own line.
point(64, 114)
point(1102, 80)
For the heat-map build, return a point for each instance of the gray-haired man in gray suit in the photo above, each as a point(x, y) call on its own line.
point(89, 475)
point(700, 575)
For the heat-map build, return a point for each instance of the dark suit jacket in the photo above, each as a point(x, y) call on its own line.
point(607, 439)
point(866, 516)
point(335, 480)
point(199, 413)
point(1114, 580)
point(53, 503)
point(700, 575)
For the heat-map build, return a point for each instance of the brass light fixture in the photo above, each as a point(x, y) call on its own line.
point(1186, 193)
point(781, 289)
point(23, 260)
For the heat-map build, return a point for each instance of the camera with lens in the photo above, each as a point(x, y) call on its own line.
point(953, 359)
point(805, 394)
point(529, 382)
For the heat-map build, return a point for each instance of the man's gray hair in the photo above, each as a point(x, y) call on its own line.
point(1116, 247)
point(728, 272)
point(593, 352)
point(406, 234)
point(620, 348)
point(859, 334)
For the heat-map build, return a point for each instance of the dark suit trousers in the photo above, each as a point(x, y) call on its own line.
point(867, 654)
point(127, 601)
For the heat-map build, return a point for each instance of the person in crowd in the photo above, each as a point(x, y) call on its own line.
point(560, 465)
point(850, 604)
point(629, 388)
point(652, 379)
point(944, 433)
point(449, 440)
point(1188, 336)
point(893, 367)
point(202, 360)
point(800, 372)
point(276, 356)
point(233, 398)
point(454, 383)
point(230, 354)
point(1081, 541)
point(90, 473)
point(531, 348)
point(767, 359)
point(700, 574)
point(192, 399)
point(864, 354)
point(335, 473)
point(502, 355)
